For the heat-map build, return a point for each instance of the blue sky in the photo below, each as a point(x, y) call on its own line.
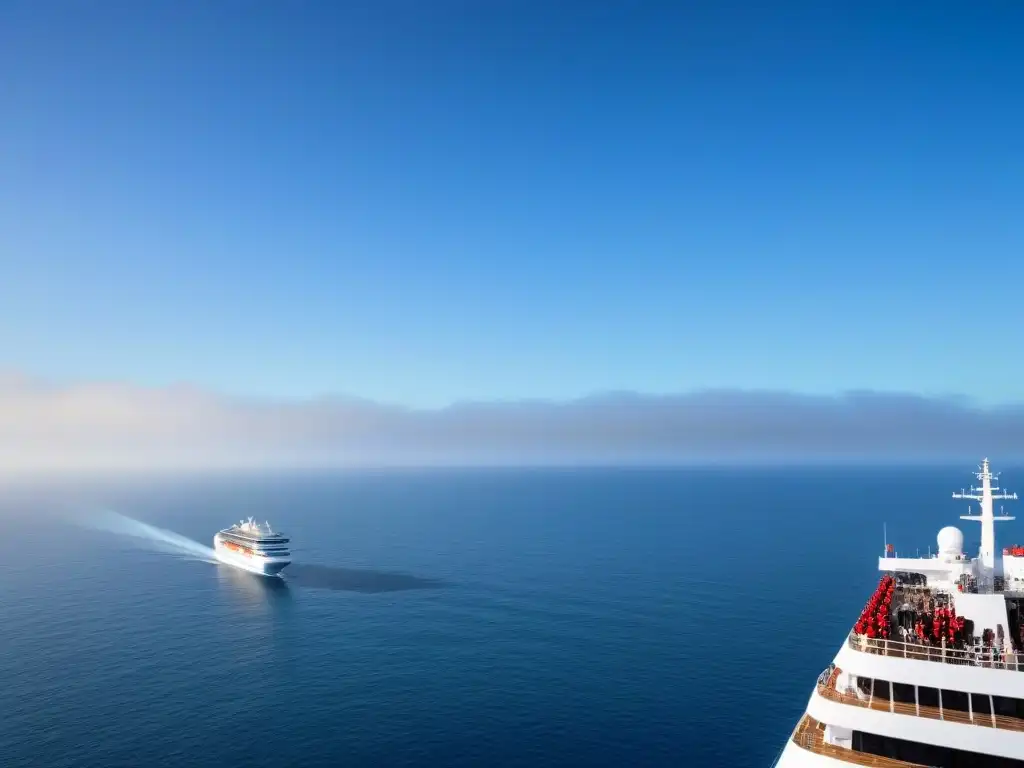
point(423, 203)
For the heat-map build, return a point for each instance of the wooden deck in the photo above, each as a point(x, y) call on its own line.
point(810, 735)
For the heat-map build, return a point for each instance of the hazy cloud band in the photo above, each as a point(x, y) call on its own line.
point(107, 425)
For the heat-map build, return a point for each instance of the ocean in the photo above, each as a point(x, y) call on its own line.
point(544, 617)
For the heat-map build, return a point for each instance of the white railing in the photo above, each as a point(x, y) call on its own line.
point(991, 658)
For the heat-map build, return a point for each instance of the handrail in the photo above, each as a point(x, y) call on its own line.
point(989, 658)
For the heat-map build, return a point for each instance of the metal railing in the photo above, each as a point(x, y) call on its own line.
point(987, 657)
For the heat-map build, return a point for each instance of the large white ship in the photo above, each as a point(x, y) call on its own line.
point(254, 547)
point(932, 673)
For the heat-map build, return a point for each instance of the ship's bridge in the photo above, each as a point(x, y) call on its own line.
point(937, 571)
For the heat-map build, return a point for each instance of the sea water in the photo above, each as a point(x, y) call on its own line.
point(485, 617)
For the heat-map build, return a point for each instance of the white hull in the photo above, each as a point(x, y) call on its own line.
point(265, 566)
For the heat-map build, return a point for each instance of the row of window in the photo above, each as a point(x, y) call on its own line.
point(251, 540)
point(979, 703)
point(928, 754)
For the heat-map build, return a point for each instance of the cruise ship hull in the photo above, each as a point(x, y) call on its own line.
point(254, 563)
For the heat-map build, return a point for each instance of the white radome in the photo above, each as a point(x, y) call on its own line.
point(951, 541)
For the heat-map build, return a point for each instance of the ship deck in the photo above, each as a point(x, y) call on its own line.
point(259, 538)
point(911, 602)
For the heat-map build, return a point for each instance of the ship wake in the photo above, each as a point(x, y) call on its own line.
point(149, 536)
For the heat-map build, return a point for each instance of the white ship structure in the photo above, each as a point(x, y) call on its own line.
point(932, 673)
point(254, 547)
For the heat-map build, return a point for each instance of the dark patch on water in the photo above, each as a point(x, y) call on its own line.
point(366, 580)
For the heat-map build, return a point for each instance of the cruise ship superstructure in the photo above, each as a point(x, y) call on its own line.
point(932, 673)
point(254, 547)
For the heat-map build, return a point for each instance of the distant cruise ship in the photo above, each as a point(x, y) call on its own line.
point(254, 547)
point(932, 673)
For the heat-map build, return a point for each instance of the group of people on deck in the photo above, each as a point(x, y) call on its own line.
point(942, 624)
point(921, 621)
point(874, 619)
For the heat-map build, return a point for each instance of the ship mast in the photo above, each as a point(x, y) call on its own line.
point(986, 494)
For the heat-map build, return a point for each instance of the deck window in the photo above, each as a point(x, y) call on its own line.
point(928, 697)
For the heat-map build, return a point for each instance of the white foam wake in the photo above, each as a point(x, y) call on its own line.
point(157, 539)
